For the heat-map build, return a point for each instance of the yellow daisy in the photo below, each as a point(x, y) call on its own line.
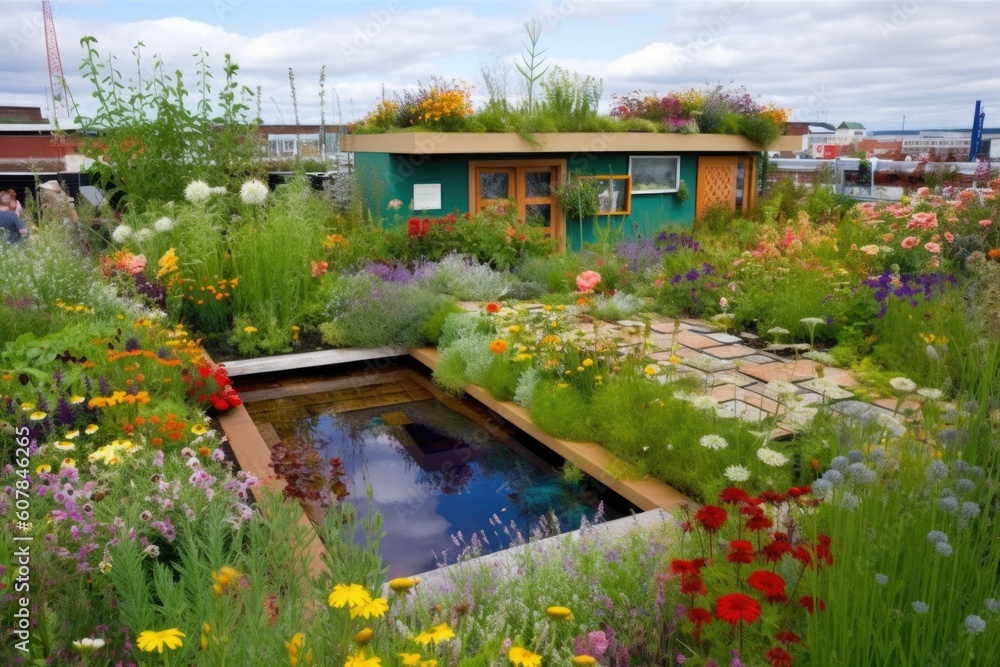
point(410, 659)
point(73, 435)
point(359, 660)
point(199, 429)
point(437, 634)
point(44, 467)
point(91, 429)
point(37, 416)
point(75, 400)
point(371, 609)
point(348, 595)
point(155, 640)
point(524, 658)
point(63, 445)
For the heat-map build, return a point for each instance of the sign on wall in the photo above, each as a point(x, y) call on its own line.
point(427, 197)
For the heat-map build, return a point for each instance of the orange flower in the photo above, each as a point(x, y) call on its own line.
point(492, 307)
point(499, 346)
point(319, 268)
point(994, 254)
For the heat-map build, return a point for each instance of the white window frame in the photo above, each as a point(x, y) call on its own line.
point(637, 188)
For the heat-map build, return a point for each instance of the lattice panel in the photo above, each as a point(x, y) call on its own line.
point(719, 185)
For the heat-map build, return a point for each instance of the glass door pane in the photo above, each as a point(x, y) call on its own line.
point(495, 185)
point(538, 183)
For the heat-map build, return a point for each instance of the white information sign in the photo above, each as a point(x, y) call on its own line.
point(427, 197)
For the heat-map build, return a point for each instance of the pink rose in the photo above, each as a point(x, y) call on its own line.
point(910, 242)
point(949, 237)
point(985, 224)
point(922, 220)
point(923, 192)
point(587, 281)
point(932, 247)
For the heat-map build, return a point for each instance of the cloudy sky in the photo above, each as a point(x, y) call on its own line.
point(872, 62)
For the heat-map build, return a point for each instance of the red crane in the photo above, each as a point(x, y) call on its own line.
point(57, 82)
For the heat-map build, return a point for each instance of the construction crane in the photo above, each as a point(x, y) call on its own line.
point(57, 82)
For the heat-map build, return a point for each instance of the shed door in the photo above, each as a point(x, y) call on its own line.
point(725, 182)
point(530, 183)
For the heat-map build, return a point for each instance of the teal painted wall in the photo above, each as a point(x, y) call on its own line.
point(383, 177)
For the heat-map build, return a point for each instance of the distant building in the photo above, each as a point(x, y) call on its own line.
point(289, 141)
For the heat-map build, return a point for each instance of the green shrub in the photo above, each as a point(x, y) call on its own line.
point(563, 412)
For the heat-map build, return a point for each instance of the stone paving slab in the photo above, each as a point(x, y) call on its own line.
point(703, 362)
point(733, 377)
point(826, 387)
point(734, 409)
point(725, 338)
point(761, 358)
point(696, 341)
point(730, 351)
point(790, 371)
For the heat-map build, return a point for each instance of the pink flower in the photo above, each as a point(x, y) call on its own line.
point(985, 224)
point(134, 264)
point(923, 192)
point(910, 242)
point(922, 220)
point(587, 281)
point(723, 303)
point(394, 204)
point(932, 247)
point(949, 237)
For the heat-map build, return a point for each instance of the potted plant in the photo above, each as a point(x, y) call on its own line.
point(579, 199)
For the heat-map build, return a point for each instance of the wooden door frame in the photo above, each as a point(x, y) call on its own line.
point(557, 221)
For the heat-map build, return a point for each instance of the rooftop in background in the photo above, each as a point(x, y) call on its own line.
point(15, 114)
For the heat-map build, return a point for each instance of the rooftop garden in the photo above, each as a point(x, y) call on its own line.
point(557, 100)
point(866, 538)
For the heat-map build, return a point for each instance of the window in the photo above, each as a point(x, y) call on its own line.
point(614, 194)
point(654, 174)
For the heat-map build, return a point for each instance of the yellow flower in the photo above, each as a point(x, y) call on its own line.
point(72, 435)
point(344, 595)
point(551, 339)
point(249, 330)
point(410, 658)
point(429, 663)
point(359, 660)
point(293, 646)
point(560, 308)
point(27, 406)
point(559, 613)
point(674, 359)
point(650, 370)
point(562, 385)
point(37, 416)
point(155, 640)
point(199, 429)
point(404, 583)
point(579, 369)
point(91, 429)
point(75, 400)
point(44, 467)
point(64, 445)
point(206, 629)
point(499, 346)
point(546, 308)
point(370, 609)
point(224, 577)
point(364, 636)
point(437, 634)
point(67, 463)
point(584, 660)
point(524, 658)
point(587, 363)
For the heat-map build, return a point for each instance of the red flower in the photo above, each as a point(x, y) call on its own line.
point(775, 550)
point(772, 497)
point(797, 491)
point(803, 555)
point(710, 517)
point(699, 617)
point(693, 585)
point(687, 567)
point(736, 607)
point(413, 227)
point(768, 583)
point(823, 552)
point(204, 371)
point(787, 637)
point(492, 307)
point(810, 603)
point(740, 551)
point(759, 522)
point(779, 657)
point(733, 495)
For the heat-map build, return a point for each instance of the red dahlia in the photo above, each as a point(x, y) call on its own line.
point(768, 583)
point(810, 604)
point(779, 657)
point(711, 517)
point(736, 607)
point(733, 495)
point(740, 551)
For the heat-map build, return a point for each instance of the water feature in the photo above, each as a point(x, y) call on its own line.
point(442, 469)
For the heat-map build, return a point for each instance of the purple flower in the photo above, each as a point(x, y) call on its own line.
point(692, 275)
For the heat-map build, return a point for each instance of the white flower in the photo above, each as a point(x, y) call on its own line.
point(164, 224)
point(253, 192)
point(704, 402)
point(777, 331)
point(737, 474)
point(903, 384)
point(142, 235)
point(771, 457)
point(197, 192)
point(86, 646)
point(152, 550)
point(930, 393)
point(121, 233)
point(714, 442)
point(219, 190)
point(812, 321)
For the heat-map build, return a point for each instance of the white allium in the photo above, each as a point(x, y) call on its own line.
point(197, 192)
point(771, 457)
point(253, 192)
point(714, 442)
point(903, 384)
point(142, 235)
point(164, 224)
point(121, 233)
point(737, 474)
